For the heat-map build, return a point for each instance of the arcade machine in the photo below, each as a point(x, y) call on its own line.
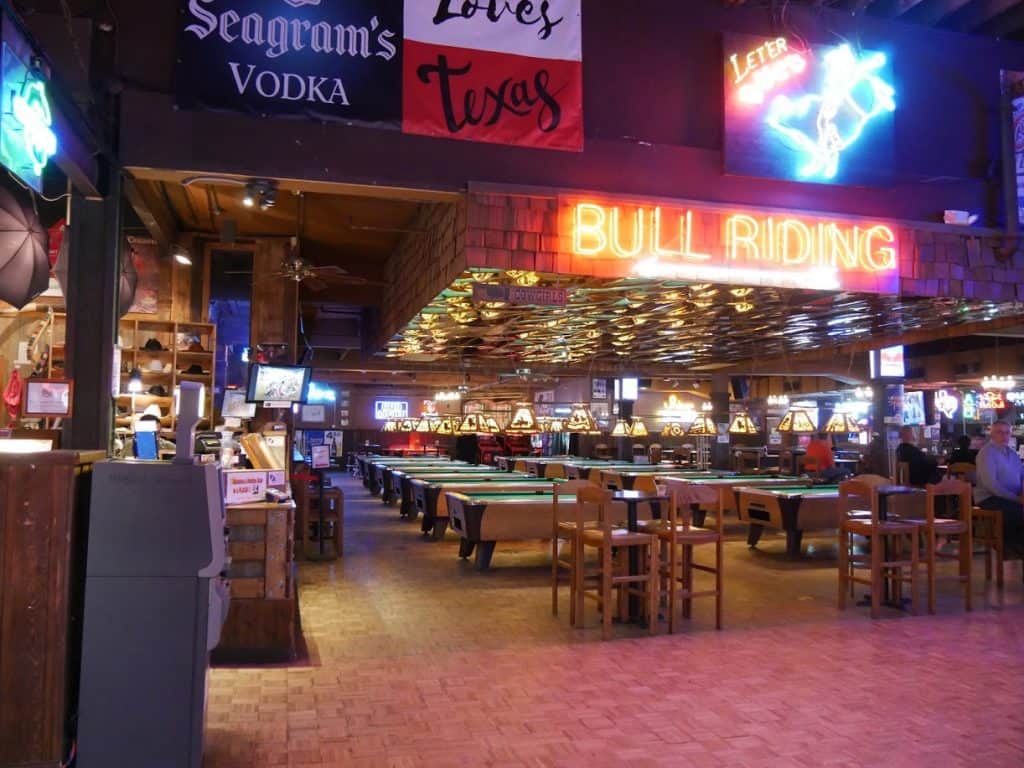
point(155, 601)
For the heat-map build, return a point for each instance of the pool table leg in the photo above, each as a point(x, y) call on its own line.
point(794, 536)
point(440, 526)
point(754, 534)
point(428, 523)
point(466, 548)
point(484, 552)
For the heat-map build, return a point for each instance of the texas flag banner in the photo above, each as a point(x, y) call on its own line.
point(500, 71)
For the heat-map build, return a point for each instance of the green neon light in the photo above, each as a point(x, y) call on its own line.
point(31, 108)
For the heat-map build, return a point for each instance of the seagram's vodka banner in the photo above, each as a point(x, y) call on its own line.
point(504, 71)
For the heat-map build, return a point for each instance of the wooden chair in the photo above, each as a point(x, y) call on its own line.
point(601, 451)
point(564, 544)
point(886, 560)
point(611, 573)
point(932, 526)
point(987, 531)
point(903, 472)
point(679, 537)
point(962, 470)
point(554, 471)
point(654, 453)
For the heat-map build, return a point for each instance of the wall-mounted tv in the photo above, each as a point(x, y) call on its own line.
point(278, 383)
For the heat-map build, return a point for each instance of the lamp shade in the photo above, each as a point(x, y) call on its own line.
point(391, 425)
point(842, 423)
point(702, 426)
point(446, 426)
point(638, 428)
point(742, 424)
point(621, 429)
point(407, 425)
point(797, 420)
point(581, 420)
point(524, 421)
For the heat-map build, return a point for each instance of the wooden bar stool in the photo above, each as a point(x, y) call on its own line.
point(679, 537)
point(886, 538)
point(564, 543)
point(612, 573)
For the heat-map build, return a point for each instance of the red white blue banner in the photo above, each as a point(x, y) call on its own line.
point(494, 71)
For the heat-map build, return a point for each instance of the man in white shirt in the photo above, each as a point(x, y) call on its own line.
point(1000, 481)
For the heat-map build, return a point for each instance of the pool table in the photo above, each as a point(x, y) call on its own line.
point(428, 493)
point(366, 462)
point(389, 485)
point(376, 465)
point(484, 519)
point(645, 479)
point(396, 484)
point(719, 493)
point(790, 509)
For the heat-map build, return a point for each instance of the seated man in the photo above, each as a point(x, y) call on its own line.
point(999, 485)
point(923, 468)
point(819, 459)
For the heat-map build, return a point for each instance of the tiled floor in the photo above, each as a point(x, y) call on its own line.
point(419, 660)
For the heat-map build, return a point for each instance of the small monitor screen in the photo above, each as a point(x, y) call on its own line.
point(280, 383)
point(627, 389)
point(913, 409)
point(235, 406)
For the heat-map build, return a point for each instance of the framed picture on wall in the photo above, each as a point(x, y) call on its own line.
point(599, 389)
point(47, 397)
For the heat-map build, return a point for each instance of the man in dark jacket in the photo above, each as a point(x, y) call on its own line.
point(923, 468)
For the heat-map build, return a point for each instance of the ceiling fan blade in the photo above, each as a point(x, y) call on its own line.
point(331, 269)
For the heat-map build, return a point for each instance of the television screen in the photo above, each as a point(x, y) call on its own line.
point(282, 383)
point(236, 407)
point(887, 363)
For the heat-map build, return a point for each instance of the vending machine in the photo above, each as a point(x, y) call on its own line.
point(156, 597)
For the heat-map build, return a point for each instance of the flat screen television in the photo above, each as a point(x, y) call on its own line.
point(279, 383)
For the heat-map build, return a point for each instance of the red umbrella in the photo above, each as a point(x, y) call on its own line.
point(24, 265)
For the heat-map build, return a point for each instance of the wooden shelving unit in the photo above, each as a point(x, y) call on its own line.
point(164, 368)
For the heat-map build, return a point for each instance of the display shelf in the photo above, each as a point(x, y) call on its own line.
point(176, 339)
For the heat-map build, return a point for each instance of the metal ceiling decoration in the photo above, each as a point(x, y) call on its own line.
point(640, 321)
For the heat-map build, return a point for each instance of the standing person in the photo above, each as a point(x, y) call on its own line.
point(923, 468)
point(999, 486)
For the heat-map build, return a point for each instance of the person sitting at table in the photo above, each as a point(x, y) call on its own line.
point(923, 468)
point(999, 485)
point(963, 451)
point(819, 459)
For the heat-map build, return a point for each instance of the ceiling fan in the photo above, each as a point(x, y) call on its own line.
point(297, 269)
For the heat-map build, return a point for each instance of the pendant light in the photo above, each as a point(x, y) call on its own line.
point(638, 428)
point(742, 424)
point(702, 426)
point(842, 423)
point(673, 429)
point(524, 421)
point(797, 420)
point(391, 425)
point(621, 428)
point(581, 420)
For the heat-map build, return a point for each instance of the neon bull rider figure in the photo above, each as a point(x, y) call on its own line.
point(851, 96)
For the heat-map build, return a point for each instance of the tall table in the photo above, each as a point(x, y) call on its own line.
point(632, 500)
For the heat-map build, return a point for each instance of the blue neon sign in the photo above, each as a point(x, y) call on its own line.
point(820, 114)
point(27, 139)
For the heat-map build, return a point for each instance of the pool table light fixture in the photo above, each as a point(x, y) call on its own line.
point(797, 420)
point(742, 424)
point(581, 420)
point(702, 426)
point(842, 423)
point(524, 421)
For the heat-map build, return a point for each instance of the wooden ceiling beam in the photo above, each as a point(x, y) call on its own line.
point(151, 209)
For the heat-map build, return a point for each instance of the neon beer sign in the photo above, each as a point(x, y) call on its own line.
point(742, 247)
